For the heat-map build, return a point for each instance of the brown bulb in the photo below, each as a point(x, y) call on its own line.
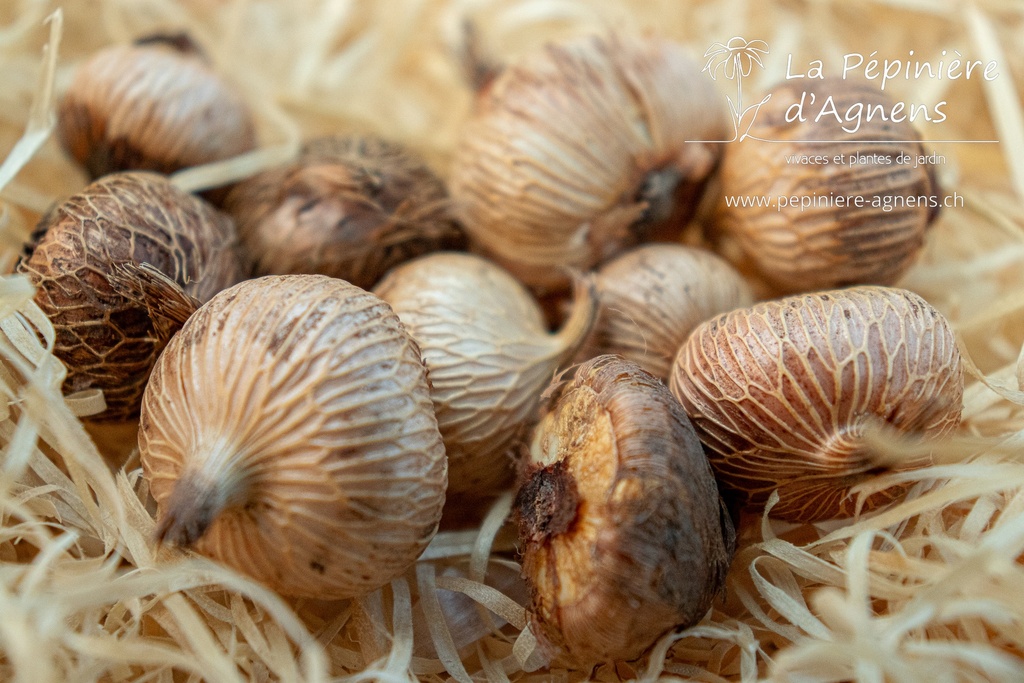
point(653, 296)
point(580, 150)
point(153, 105)
point(621, 527)
point(110, 327)
point(288, 433)
point(860, 221)
point(349, 207)
point(782, 393)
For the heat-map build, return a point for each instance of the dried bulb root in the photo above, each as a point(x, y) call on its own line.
point(579, 151)
point(623, 534)
point(822, 245)
point(111, 316)
point(154, 105)
point(351, 208)
point(653, 296)
point(489, 355)
point(479, 66)
point(288, 432)
point(781, 392)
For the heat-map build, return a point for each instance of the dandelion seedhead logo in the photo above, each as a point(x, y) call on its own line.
point(735, 60)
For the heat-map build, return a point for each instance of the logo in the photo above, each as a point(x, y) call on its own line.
point(735, 60)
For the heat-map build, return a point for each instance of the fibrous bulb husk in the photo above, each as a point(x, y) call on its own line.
point(348, 207)
point(153, 105)
point(653, 296)
point(110, 326)
point(783, 393)
point(489, 355)
point(859, 220)
point(288, 432)
point(623, 533)
point(581, 150)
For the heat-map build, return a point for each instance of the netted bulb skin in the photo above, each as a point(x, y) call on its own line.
point(583, 149)
point(857, 214)
point(288, 433)
point(348, 207)
point(653, 296)
point(489, 356)
point(782, 393)
point(108, 339)
point(153, 105)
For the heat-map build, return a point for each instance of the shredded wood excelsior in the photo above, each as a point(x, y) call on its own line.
point(928, 589)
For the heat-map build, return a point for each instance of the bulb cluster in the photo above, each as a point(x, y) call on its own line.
point(322, 374)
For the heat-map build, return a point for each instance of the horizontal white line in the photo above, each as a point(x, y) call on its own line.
point(894, 142)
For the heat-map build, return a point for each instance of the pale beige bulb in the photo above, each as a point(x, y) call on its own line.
point(652, 297)
point(287, 431)
point(583, 149)
point(488, 353)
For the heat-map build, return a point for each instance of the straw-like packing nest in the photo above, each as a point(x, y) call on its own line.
point(926, 590)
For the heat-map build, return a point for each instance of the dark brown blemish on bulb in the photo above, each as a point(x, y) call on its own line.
point(548, 503)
